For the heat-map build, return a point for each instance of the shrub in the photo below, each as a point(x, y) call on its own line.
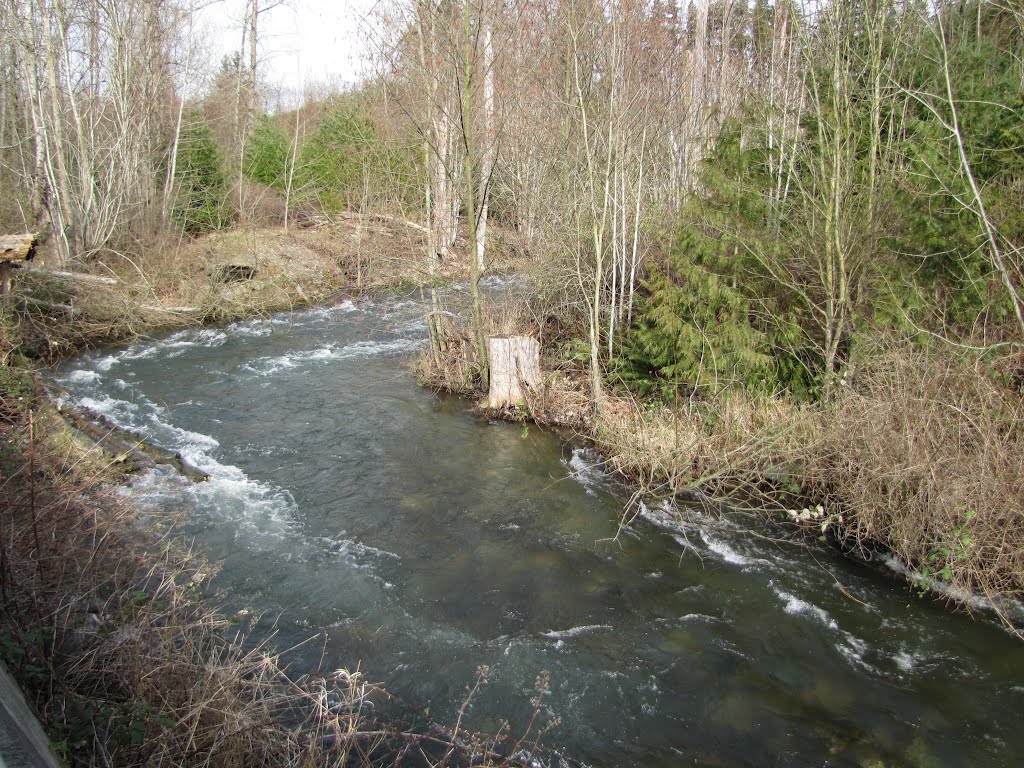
point(694, 328)
point(268, 155)
point(201, 203)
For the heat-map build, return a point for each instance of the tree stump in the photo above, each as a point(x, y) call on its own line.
point(514, 363)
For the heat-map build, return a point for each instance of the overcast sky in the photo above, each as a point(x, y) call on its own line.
point(303, 40)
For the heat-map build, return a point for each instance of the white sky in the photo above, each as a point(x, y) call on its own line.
point(300, 41)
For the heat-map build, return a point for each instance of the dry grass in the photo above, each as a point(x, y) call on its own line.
point(925, 455)
point(736, 444)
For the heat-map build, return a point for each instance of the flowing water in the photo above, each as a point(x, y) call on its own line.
point(424, 542)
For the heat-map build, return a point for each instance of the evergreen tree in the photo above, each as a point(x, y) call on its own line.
point(202, 188)
point(268, 154)
point(694, 326)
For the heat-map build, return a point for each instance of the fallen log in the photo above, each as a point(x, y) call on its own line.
point(233, 273)
point(75, 276)
point(171, 310)
point(53, 307)
point(383, 218)
point(124, 444)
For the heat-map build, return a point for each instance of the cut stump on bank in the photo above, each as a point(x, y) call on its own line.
point(514, 363)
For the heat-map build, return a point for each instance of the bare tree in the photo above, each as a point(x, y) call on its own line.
point(98, 90)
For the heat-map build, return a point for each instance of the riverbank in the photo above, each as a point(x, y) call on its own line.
point(104, 622)
point(913, 465)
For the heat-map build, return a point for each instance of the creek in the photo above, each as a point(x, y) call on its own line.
point(411, 536)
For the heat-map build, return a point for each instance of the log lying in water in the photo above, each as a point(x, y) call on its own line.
point(123, 442)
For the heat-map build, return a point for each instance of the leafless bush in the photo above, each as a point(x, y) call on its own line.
point(924, 455)
point(449, 363)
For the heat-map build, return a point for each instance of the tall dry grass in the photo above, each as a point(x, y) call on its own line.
point(925, 453)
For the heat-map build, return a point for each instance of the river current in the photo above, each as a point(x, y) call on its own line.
point(407, 534)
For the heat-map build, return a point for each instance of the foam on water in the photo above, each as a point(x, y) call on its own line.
point(906, 660)
point(81, 377)
point(343, 544)
point(121, 412)
point(725, 552)
point(795, 607)
point(252, 328)
point(848, 645)
point(667, 517)
point(585, 466)
point(268, 366)
point(229, 494)
point(587, 629)
point(699, 617)
point(140, 352)
point(184, 440)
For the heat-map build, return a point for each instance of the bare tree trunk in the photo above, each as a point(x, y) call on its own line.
point(490, 147)
point(473, 193)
